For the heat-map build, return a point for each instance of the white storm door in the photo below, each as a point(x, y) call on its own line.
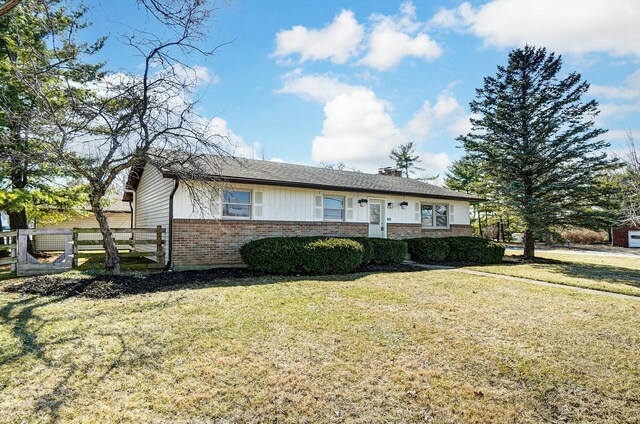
point(376, 219)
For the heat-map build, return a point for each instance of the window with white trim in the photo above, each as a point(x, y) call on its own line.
point(236, 204)
point(333, 208)
point(434, 215)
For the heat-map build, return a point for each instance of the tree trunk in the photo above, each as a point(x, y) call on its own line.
point(529, 244)
point(480, 224)
point(18, 221)
point(111, 256)
point(504, 239)
point(3, 253)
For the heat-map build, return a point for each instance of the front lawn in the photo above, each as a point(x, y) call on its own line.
point(425, 346)
point(615, 274)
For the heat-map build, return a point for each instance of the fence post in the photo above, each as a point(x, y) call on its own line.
point(74, 261)
point(13, 253)
point(159, 251)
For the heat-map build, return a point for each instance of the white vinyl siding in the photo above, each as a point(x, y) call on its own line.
point(152, 203)
point(299, 204)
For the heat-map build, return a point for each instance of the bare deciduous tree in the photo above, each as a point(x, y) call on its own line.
point(628, 179)
point(125, 119)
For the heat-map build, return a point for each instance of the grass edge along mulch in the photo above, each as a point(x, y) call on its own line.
point(104, 286)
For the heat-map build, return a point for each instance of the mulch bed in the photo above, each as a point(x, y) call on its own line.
point(112, 286)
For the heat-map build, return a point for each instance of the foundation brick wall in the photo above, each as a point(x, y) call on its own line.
point(199, 242)
point(621, 236)
point(405, 231)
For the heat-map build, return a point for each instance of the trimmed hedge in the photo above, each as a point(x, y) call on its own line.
point(428, 249)
point(388, 252)
point(367, 246)
point(474, 249)
point(303, 255)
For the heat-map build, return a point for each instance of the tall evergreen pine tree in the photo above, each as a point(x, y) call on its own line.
point(539, 141)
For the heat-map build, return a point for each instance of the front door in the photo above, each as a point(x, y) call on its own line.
point(376, 218)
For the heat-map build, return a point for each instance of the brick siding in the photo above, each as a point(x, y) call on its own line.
point(621, 236)
point(198, 243)
point(405, 231)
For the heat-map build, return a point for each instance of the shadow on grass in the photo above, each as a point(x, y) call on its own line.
point(102, 286)
point(18, 315)
point(607, 273)
point(79, 361)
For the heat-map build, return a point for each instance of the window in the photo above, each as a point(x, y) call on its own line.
point(236, 204)
point(434, 216)
point(333, 208)
point(427, 215)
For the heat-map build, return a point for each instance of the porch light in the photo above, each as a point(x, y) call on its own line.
point(404, 205)
point(390, 205)
point(363, 202)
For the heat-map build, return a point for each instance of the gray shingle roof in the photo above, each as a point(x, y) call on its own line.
point(286, 174)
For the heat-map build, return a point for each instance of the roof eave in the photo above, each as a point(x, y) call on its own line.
point(257, 181)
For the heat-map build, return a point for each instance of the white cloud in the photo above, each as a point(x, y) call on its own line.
point(231, 142)
point(317, 88)
point(446, 115)
point(617, 110)
point(357, 129)
point(564, 26)
point(629, 90)
point(392, 38)
point(435, 164)
point(389, 39)
point(338, 41)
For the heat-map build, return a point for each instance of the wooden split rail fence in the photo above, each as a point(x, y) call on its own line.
point(143, 243)
point(10, 243)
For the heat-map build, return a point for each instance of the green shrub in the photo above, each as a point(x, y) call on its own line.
point(367, 246)
point(388, 252)
point(428, 249)
point(302, 255)
point(474, 249)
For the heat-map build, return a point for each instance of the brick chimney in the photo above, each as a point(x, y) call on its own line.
point(390, 171)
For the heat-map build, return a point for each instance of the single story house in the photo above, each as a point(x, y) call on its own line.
point(626, 236)
point(258, 199)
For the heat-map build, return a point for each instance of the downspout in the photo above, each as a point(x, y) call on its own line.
point(131, 209)
point(170, 229)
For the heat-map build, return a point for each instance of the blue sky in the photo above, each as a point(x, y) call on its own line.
point(345, 81)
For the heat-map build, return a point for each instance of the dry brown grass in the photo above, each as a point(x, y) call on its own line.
point(614, 274)
point(430, 346)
